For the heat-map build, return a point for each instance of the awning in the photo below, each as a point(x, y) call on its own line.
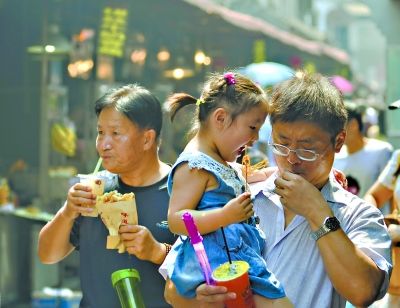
point(255, 24)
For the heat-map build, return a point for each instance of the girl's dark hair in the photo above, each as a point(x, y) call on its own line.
point(237, 95)
point(137, 103)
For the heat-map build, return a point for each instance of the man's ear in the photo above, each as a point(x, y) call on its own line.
point(149, 139)
point(340, 140)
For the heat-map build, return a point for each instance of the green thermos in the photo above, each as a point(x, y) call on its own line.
point(126, 283)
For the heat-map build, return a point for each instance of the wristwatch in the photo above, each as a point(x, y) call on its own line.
point(330, 224)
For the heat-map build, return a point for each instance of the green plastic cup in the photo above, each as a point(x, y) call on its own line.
point(126, 282)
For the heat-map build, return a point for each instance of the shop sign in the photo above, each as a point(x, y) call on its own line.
point(112, 35)
point(259, 51)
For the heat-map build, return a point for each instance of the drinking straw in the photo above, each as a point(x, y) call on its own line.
point(226, 246)
point(246, 164)
point(98, 165)
point(197, 242)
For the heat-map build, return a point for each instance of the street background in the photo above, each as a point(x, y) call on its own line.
point(59, 56)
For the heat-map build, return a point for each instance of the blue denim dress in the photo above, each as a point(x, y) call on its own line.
point(245, 241)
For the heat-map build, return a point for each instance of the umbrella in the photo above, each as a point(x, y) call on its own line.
point(342, 84)
point(267, 73)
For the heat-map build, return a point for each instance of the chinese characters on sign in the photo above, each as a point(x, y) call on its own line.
point(112, 32)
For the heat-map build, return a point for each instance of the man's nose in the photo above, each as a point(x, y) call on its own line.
point(293, 158)
point(105, 143)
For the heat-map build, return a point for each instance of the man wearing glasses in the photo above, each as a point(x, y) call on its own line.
point(324, 244)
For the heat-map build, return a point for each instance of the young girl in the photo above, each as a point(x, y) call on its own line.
point(230, 113)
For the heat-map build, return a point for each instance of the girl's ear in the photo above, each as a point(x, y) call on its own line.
point(220, 117)
point(149, 139)
point(340, 141)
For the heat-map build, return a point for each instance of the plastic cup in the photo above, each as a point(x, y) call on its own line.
point(126, 283)
point(41, 299)
point(97, 185)
point(235, 278)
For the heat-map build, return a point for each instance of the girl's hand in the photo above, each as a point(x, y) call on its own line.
point(257, 176)
point(238, 209)
point(340, 178)
point(80, 199)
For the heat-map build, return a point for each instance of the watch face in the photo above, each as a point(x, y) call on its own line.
point(332, 223)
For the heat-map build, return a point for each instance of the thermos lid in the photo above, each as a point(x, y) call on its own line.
point(124, 273)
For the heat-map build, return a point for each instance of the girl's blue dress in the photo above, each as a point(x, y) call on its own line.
point(245, 241)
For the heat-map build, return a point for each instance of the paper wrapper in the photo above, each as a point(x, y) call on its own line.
point(114, 214)
point(97, 185)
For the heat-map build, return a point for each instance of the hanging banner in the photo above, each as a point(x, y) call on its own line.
point(259, 51)
point(112, 34)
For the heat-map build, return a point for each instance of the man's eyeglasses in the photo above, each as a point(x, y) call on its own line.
point(303, 154)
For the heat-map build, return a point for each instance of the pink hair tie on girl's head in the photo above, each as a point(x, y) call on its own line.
point(230, 78)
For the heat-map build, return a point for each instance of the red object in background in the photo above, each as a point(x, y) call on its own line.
point(296, 62)
point(342, 84)
point(352, 185)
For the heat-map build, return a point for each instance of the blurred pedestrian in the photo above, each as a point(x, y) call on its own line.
point(129, 121)
point(361, 158)
point(387, 189)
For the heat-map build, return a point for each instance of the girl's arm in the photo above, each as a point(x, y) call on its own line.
point(255, 175)
point(260, 175)
point(188, 187)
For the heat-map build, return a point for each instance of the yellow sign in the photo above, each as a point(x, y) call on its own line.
point(310, 67)
point(259, 51)
point(112, 35)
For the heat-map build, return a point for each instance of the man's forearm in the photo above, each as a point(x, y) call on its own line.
point(353, 274)
point(54, 242)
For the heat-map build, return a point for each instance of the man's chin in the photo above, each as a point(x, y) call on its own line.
point(109, 168)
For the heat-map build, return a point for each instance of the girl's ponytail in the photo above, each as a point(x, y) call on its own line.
point(177, 101)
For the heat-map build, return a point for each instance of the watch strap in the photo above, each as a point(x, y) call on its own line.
point(330, 224)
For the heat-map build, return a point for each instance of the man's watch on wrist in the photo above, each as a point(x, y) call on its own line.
point(330, 224)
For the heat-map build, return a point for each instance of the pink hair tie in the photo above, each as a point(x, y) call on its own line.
point(229, 78)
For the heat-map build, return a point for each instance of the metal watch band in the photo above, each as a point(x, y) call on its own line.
point(330, 224)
